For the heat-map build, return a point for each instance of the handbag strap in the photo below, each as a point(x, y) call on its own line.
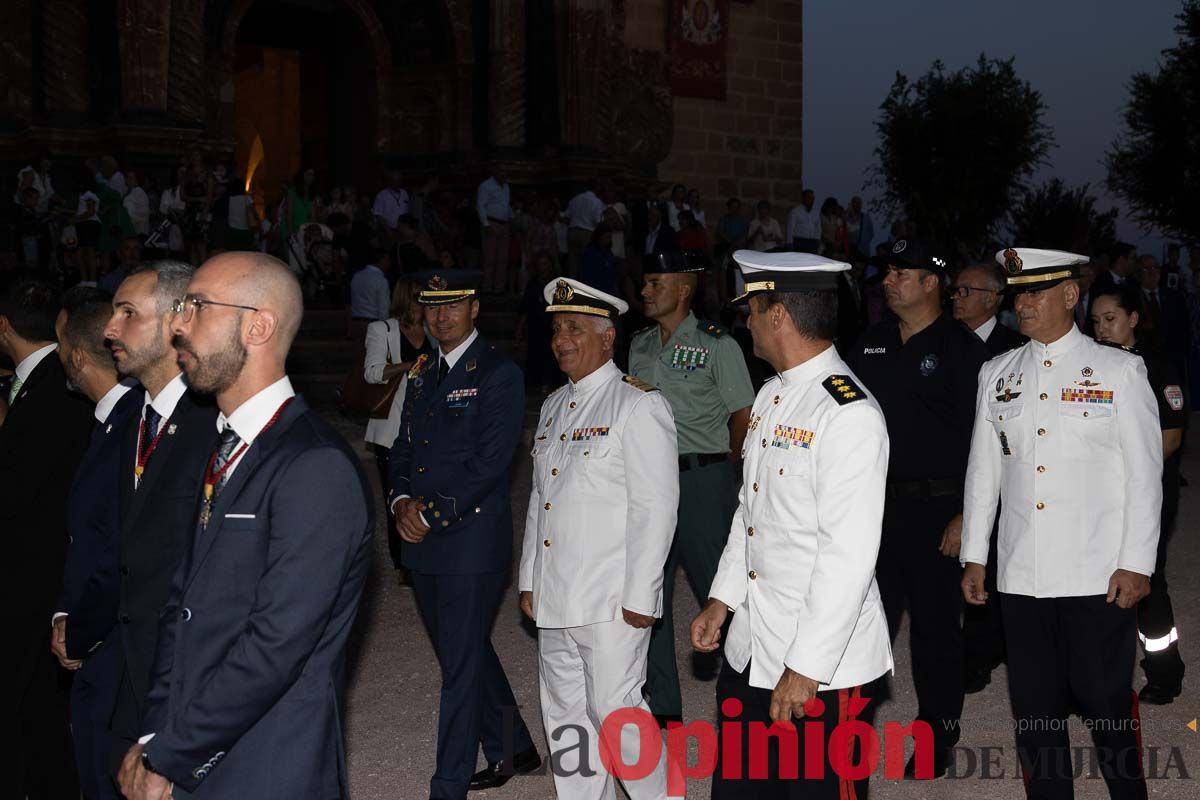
point(388, 340)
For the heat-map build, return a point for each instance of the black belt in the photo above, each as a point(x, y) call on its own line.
point(906, 490)
point(698, 460)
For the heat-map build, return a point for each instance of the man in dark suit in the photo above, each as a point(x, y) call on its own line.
point(976, 296)
point(1118, 269)
point(87, 606)
point(449, 491)
point(41, 442)
point(660, 237)
point(1166, 314)
point(163, 451)
point(247, 693)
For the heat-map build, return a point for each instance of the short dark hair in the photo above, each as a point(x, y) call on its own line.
point(31, 306)
point(813, 312)
point(1120, 250)
point(88, 311)
point(173, 278)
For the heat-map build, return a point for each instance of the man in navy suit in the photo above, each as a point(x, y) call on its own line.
point(449, 491)
point(162, 454)
point(246, 697)
point(87, 606)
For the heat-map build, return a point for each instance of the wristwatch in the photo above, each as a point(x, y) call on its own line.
point(146, 763)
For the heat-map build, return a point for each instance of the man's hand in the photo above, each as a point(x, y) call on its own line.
point(139, 783)
point(636, 620)
point(409, 524)
point(58, 644)
point(952, 538)
point(972, 584)
point(790, 695)
point(1127, 588)
point(527, 605)
point(706, 627)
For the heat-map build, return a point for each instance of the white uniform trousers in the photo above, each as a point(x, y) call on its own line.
point(585, 674)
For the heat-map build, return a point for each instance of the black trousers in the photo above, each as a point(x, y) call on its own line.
point(739, 782)
point(477, 704)
point(914, 576)
point(983, 626)
point(93, 697)
point(1155, 616)
point(395, 543)
point(1073, 648)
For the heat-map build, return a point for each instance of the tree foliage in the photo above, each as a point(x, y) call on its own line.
point(1056, 217)
point(1154, 164)
point(955, 148)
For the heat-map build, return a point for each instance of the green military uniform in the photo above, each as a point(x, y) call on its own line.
point(703, 374)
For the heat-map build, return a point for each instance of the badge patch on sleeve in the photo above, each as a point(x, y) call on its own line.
point(588, 434)
point(786, 437)
point(1174, 397)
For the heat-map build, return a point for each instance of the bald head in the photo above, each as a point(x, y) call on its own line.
point(262, 281)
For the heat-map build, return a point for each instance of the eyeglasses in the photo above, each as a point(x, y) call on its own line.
point(188, 306)
point(965, 291)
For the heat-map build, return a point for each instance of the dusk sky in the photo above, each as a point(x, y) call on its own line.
point(1080, 54)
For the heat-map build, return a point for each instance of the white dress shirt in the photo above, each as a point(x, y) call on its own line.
point(29, 363)
point(603, 502)
point(492, 202)
point(109, 401)
point(164, 403)
point(137, 203)
point(985, 330)
point(370, 297)
point(390, 205)
point(585, 211)
point(1067, 438)
point(673, 213)
point(799, 566)
point(249, 419)
point(803, 223)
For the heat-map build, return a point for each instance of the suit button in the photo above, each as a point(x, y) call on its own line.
point(125, 571)
point(753, 575)
point(1040, 506)
point(750, 531)
point(437, 514)
point(1041, 468)
point(478, 509)
point(186, 614)
point(124, 619)
point(1042, 396)
point(546, 542)
point(1041, 431)
point(547, 506)
point(1085, 413)
point(554, 471)
point(1047, 363)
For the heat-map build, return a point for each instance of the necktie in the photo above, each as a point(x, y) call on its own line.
point(1155, 310)
point(443, 368)
point(14, 388)
point(225, 446)
point(150, 425)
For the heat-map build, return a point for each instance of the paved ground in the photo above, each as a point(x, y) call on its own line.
point(392, 715)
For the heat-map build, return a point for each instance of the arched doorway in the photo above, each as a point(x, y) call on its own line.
point(310, 79)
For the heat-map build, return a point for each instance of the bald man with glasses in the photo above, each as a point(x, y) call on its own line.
point(976, 295)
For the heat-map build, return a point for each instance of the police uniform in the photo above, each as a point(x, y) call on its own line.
point(926, 387)
point(1156, 618)
point(600, 522)
point(459, 429)
point(1067, 437)
point(798, 570)
point(701, 372)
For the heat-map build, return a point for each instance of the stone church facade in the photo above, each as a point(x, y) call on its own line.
point(552, 91)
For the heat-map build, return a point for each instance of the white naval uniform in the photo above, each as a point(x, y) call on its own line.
point(602, 512)
point(1067, 436)
point(799, 567)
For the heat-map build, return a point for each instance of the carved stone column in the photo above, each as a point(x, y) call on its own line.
point(144, 45)
point(586, 50)
point(506, 74)
point(187, 81)
point(65, 55)
point(16, 60)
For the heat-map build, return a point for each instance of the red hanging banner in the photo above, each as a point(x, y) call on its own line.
point(697, 34)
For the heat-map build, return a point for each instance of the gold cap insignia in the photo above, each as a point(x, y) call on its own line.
point(1012, 262)
point(437, 283)
point(563, 293)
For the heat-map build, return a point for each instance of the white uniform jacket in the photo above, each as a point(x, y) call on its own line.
point(603, 503)
point(799, 567)
point(1067, 437)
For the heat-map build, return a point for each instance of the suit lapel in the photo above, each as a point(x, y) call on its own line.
point(243, 473)
point(155, 467)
